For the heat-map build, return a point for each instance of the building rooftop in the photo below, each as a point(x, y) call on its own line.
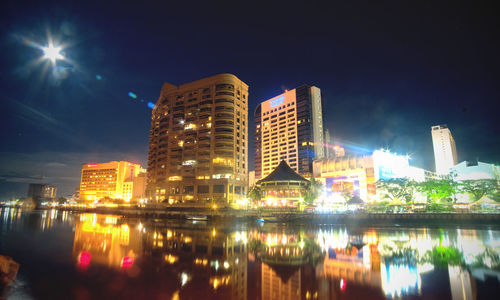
point(283, 172)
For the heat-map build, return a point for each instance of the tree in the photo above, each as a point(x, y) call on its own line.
point(495, 195)
point(312, 192)
point(346, 195)
point(479, 188)
point(255, 194)
point(410, 189)
point(397, 189)
point(438, 189)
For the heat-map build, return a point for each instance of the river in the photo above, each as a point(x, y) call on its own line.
point(64, 255)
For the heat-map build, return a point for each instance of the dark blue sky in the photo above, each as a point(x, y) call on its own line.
point(388, 71)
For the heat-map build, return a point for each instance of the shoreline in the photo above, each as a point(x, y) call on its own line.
point(294, 217)
point(392, 219)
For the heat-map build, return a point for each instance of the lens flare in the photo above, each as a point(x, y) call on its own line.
point(52, 53)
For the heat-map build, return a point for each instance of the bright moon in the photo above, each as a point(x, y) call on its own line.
point(52, 53)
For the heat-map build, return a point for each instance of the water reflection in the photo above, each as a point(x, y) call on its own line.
point(13, 218)
point(183, 259)
point(102, 240)
point(197, 259)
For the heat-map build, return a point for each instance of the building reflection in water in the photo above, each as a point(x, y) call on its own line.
point(277, 262)
point(102, 240)
point(350, 261)
point(204, 260)
point(209, 260)
point(286, 261)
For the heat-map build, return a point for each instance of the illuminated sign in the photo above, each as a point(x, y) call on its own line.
point(389, 165)
point(277, 101)
point(342, 184)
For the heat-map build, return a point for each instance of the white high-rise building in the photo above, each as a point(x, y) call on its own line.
point(445, 150)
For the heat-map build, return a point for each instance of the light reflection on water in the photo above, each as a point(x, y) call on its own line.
point(115, 257)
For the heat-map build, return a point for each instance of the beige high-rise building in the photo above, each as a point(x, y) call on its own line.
point(112, 180)
point(289, 127)
point(445, 150)
point(198, 146)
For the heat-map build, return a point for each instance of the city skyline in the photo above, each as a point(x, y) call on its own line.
point(55, 122)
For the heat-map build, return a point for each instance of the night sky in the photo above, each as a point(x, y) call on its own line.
point(388, 71)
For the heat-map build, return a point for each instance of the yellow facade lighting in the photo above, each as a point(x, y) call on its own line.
point(171, 258)
point(223, 161)
point(190, 126)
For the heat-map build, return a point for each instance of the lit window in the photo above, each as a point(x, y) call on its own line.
point(221, 176)
point(223, 161)
point(190, 126)
point(189, 162)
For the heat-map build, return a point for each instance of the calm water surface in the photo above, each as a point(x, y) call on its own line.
point(92, 256)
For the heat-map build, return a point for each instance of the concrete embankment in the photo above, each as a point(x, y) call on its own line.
point(303, 217)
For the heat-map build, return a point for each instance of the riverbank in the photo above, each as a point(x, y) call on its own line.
point(299, 217)
point(292, 216)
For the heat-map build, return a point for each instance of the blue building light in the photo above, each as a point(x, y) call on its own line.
point(277, 101)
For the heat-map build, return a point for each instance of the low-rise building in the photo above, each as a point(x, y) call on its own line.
point(283, 187)
point(113, 180)
point(356, 175)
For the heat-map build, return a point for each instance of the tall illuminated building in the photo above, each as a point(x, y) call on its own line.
point(289, 127)
point(112, 180)
point(445, 150)
point(198, 145)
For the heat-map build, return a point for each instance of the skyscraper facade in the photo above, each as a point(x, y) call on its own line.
point(445, 150)
point(289, 127)
point(198, 145)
